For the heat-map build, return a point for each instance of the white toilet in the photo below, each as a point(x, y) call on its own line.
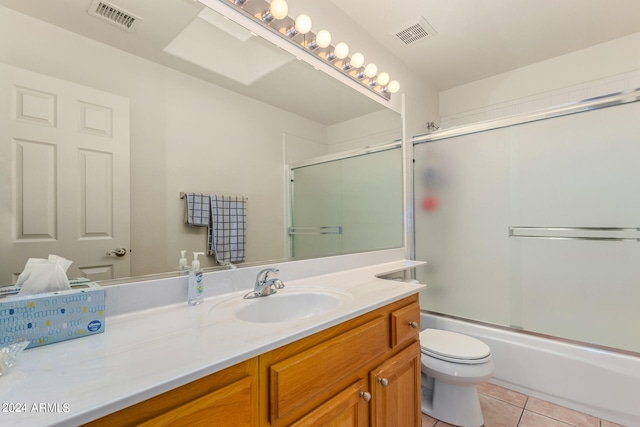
point(452, 365)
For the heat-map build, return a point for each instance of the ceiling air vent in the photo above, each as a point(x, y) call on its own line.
point(415, 31)
point(113, 15)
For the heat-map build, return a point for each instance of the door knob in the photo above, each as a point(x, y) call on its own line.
point(118, 252)
point(414, 325)
point(383, 381)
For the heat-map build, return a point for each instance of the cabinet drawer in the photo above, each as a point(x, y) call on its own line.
point(225, 398)
point(405, 324)
point(231, 406)
point(301, 378)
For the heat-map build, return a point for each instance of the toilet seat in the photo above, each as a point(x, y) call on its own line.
point(453, 347)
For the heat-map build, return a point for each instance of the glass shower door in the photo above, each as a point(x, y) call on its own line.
point(536, 226)
point(316, 210)
point(353, 204)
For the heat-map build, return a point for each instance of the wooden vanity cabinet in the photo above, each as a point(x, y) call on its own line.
point(392, 396)
point(363, 372)
point(227, 398)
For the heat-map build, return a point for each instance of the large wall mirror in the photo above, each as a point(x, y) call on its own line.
point(186, 102)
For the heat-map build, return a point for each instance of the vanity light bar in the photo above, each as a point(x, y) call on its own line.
point(285, 27)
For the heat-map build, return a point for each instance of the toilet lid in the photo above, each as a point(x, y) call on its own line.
point(452, 346)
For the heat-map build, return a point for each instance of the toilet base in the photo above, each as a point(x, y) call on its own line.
point(456, 404)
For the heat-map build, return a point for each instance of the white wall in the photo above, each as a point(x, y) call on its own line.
point(186, 135)
point(595, 71)
point(377, 128)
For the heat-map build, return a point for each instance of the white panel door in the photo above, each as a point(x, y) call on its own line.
point(64, 179)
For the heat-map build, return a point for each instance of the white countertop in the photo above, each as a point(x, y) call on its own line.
point(148, 352)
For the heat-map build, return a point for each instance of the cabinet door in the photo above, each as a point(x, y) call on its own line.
point(396, 390)
point(306, 379)
point(349, 408)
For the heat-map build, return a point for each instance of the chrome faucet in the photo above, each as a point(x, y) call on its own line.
point(265, 284)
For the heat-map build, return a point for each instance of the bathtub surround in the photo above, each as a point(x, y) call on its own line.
point(552, 222)
point(596, 382)
point(542, 177)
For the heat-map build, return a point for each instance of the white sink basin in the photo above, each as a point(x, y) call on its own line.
point(287, 305)
point(283, 307)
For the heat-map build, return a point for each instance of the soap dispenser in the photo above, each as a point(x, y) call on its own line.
point(182, 263)
point(195, 289)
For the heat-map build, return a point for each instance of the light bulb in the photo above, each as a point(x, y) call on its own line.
point(383, 79)
point(323, 38)
point(370, 70)
point(394, 86)
point(341, 50)
point(357, 59)
point(303, 24)
point(279, 9)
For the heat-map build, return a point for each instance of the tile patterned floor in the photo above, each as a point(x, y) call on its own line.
point(505, 408)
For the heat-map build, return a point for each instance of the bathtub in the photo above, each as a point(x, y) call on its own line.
point(597, 382)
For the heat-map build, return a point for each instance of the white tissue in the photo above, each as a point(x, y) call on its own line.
point(9, 355)
point(44, 275)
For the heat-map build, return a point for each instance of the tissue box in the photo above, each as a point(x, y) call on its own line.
point(52, 316)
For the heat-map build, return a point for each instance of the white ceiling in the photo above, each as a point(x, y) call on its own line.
point(479, 38)
point(475, 39)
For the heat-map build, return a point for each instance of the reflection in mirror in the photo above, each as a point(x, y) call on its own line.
point(186, 102)
point(349, 204)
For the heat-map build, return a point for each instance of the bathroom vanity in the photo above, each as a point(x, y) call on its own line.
point(229, 361)
point(365, 371)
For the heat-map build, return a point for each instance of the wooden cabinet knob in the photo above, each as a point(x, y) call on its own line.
point(365, 395)
point(414, 325)
point(383, 381)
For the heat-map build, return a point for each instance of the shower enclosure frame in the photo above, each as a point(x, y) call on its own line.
point(595, 379)
point(526, 232)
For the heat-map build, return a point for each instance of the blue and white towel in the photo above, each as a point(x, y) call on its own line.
point(228, 230)
point(198, 210)
point(226, 220)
